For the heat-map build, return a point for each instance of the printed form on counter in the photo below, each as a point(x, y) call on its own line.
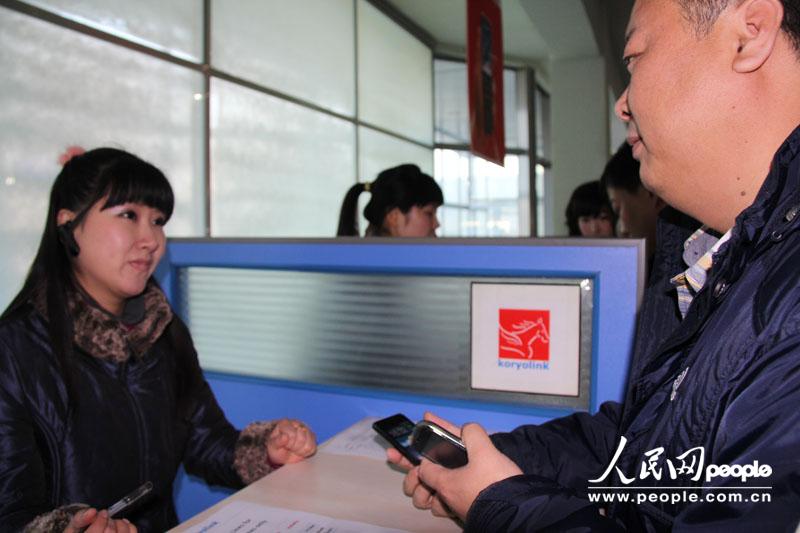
point(246, 517)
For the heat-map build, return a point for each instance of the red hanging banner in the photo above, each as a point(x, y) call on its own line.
point(485, 79)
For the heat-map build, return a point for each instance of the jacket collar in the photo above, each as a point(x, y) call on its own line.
point(778, 194)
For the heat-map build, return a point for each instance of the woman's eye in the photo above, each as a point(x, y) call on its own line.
point(160, 221)
point(129, 215)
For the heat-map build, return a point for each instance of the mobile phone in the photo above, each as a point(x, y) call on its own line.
point(397, 430)
point(127, 501)
point(438, 445)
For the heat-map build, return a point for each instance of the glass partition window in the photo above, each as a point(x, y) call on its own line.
point(378, 151)
point(51, 100)
point(172, 27)
point(395, 89)
point(482, 199)
point(452, 105)
point(272, 180)
point(305, 49)
point(261, 113)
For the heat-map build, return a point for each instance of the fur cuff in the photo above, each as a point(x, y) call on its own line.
point(56, 520)
point(250, 457)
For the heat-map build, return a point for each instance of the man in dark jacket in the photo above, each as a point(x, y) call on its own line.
point(709, 435)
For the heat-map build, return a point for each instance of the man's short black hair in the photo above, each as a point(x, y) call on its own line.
point(702, 14)
point(622, 171)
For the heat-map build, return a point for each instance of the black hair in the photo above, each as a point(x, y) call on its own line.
point(108, 173)
point(622, 171)
point(587, 200)
point(702, 14)
point(403, 186)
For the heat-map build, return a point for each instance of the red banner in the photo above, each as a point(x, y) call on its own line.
point(485, 79)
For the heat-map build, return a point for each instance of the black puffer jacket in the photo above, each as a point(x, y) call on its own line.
point(127, 428)
point(726, 378)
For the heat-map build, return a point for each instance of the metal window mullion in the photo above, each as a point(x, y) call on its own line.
point(207, 113)
point(530, 95)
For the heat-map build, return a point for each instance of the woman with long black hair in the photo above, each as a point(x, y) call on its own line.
point(100, 387)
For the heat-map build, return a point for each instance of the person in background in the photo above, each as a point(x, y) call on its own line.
point(589, 213)
point(100, 386)
point(715, 386)
point(403, 203)
point(635, 207)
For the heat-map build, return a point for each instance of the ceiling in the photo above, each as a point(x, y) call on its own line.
point(535, 32)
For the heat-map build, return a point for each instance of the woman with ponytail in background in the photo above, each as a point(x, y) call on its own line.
point(403, 203)
point(101, 391)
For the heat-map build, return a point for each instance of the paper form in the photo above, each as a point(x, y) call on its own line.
point(359, 440)
point(246, 517)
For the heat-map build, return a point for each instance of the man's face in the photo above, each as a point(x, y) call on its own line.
point(676, 105)
point(637, 212)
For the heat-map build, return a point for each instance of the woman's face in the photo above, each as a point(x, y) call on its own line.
point(601, 225)
point(120, 248)
point(418, 222)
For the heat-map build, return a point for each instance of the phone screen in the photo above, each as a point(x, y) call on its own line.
point(439, 445)
point(397, 429)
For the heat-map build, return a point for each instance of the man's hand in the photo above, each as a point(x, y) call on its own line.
point(421, 496)
point(458, 488)
point(291, 441)
point(448, 492)
point(92, 521)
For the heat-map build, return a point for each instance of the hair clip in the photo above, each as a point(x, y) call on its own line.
point(69, 153)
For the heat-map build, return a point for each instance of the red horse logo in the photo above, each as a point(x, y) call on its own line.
point(524, 334)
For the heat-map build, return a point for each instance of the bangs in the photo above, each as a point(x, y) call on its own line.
point(136, 181)
point(589, 207)
point(428, 192)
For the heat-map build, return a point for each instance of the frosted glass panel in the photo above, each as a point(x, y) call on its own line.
point(452, 105)
point(175, 27)
point(304, 48)
point(278, 169)
point(60, 88)
point(395, 89)
point(379, 151)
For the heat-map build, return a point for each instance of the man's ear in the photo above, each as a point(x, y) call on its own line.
point(63, 216)
point(757, 27)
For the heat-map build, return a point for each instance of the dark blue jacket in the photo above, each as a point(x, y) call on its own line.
point(129, 428)
point(739, 399)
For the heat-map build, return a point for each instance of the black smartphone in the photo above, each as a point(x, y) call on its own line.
point(397, 430)
point(438, 445)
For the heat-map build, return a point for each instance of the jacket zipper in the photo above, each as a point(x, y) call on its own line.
point(139, 422)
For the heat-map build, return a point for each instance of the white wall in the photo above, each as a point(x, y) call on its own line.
point(579, 102)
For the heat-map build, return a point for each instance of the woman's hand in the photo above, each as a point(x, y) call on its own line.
point(290, 441)
point(92, 521)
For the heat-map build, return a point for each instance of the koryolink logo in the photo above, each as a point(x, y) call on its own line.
point(524, 334)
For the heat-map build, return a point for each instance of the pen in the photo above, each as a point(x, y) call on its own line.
point(129, 499)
